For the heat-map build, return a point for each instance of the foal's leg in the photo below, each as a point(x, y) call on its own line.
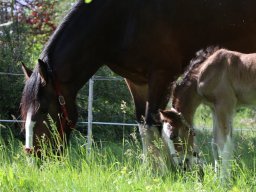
point(214, 144)
point(193, 153)
point(222, 136)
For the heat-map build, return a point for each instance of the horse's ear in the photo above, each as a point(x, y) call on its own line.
point(27, 72)
point(43, 71)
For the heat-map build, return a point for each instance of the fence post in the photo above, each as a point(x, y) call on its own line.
point(90, 116)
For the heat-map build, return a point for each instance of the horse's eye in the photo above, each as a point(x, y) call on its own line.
point(43, 109)
point(170, 127)
point(44, 104)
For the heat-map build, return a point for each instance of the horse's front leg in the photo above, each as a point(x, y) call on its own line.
point(149, 133)
point(158, 96)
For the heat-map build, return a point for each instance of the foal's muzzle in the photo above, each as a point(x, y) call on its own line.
point(173, 136)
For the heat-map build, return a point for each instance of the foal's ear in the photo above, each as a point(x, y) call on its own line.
point(163, 114)
point(27, 72)
point(43, 71)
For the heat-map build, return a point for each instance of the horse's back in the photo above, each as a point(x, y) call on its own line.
point(210, 74)
point(243, 78)
point(137, 36)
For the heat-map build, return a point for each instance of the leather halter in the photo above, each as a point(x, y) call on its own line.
point(63, 116)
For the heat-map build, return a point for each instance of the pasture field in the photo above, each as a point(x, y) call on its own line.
point(118, 167)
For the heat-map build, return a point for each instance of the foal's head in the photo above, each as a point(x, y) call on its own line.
point(40, 103)
point(181, 134)
point(171, 123)
point(176, 128)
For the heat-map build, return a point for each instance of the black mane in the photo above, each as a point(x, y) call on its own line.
point(48, 49)
point(30, 93)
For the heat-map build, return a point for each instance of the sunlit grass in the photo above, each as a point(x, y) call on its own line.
point(111, 166)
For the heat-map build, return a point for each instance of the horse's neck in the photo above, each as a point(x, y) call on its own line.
point(69, 51)
point(186, 100)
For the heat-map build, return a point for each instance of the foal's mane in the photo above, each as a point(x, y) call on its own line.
point(201, 56)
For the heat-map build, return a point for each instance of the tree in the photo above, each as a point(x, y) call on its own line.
point(29, 25)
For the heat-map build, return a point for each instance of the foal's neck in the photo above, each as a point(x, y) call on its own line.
point(186, 99)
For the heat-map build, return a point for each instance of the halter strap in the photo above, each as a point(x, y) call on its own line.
point(63, 116)
point(64, 112)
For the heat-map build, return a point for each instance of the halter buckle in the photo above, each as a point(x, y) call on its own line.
point(62, 100)
point(69, 122)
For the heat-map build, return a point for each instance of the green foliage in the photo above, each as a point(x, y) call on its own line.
point(17, 44)
point(11, 54)
point(111, 103)
point(244, 118)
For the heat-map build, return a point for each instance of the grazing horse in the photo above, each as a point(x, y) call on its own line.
point(221, 79)
point(146, 42)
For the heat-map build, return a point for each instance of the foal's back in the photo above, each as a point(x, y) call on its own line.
point(228, 75)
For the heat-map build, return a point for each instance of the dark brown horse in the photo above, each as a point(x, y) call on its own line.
point(148, 42)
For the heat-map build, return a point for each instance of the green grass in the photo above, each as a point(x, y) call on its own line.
point(243, 119)
point(118, 167)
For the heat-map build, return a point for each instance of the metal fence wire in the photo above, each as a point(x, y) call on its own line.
point(89, 123)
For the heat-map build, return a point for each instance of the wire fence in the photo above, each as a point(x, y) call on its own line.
point(90, 121)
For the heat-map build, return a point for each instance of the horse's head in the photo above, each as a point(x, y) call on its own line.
point(176, 128)
point(43, 100)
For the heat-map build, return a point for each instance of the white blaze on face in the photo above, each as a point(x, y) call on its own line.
point(167, 129)
point(166, 136)
point(29, 125)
